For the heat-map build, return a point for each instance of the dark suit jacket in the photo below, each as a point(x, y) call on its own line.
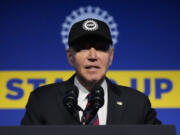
point(45, 106)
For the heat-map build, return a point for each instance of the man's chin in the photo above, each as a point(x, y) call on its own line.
point(90, 79)
point(94, 80)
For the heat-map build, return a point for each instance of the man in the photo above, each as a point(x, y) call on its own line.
point(90, 53)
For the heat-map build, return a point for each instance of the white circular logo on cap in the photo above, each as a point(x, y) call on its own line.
point(90, 25)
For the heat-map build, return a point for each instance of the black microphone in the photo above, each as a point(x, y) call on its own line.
point(70, 101)
point(96, 101)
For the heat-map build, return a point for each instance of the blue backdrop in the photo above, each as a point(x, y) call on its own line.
point(148, 39)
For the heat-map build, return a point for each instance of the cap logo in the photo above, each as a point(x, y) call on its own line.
point(90, 25)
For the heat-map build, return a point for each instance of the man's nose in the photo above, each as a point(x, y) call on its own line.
point(92, 56)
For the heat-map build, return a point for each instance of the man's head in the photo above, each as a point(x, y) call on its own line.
point(90, 50)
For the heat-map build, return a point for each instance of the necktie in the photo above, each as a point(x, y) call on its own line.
point(95, 120)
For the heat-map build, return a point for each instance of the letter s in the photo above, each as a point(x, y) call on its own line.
point(19, 91)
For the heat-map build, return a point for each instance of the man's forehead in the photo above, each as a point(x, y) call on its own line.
point(100, 45)
point(91, 39)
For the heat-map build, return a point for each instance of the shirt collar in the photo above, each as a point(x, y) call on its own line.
point(83, 92)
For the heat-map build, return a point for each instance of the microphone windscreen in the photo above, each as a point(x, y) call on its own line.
point(97, 94)
point(70, 98)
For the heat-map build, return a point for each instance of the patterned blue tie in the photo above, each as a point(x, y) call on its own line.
point(95, 120)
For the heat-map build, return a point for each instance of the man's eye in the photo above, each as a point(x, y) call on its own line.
point(103, 47)
point(86, 47)
point(77, 49)
point(100, 47)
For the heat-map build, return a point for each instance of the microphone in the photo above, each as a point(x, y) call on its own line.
point(70, 102)
point(96, 101)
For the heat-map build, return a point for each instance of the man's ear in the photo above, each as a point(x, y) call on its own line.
point(70, 54)
point(111, 56)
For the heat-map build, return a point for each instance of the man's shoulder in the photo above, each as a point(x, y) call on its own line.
point(50, 89)
point(128, 92)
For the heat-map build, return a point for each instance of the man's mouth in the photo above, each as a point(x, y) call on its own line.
point(92, 67)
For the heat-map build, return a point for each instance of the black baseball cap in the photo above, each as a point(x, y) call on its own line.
point(89, 30)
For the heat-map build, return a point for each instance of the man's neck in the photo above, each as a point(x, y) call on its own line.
point(89, 84)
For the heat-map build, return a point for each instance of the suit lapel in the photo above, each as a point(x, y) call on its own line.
point(116, 104)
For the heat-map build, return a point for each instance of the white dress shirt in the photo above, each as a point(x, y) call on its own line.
point(82, 101)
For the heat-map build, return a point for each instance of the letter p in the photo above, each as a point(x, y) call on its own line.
point(162, 85)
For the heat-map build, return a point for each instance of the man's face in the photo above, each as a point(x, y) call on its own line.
point(90, 64)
